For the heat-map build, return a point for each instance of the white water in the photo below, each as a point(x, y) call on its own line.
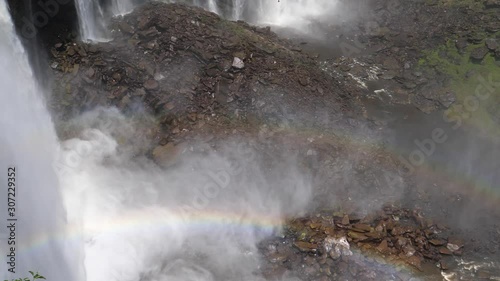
point(92, 17)
point(121, 7)
point(91, 20)
point(212, 6)
point(285, 13)
point(196, 221)
point(29, 144)
point(292, 13)
point(238, 7)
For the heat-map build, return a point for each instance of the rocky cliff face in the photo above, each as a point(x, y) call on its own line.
point(188, 66)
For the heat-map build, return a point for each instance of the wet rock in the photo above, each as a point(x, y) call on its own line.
point(447, 98)
point(124, 102)
point(445, 251)
point(151, 32)
point(278, 258)
point(415, 261)
point(59, 47)
point(274, 273)
point(90, 72)
point(356, 236)
point(70, 51)
point(240, 55)
point(336, 247)
point(305, 246)
point(400, 230)
point(238, 63)
point(212, 72)
point(167, 155)
point(192, 117)
point(139, 92)
point(117, 76)
point(475, 38)
point(388, 75)
point(492, 44)
point(454, 245)
point(461, 45)
point(361, 227)
point(151, 45)
point(345, 220)
point(169, 106)
point(438, 242)
point(477, 55)
point(151, 85)
point(492, 4)
point(391, 63)
point(304, 81)
point(126, 28)
point(383, 247)
point(444, 265)
point(144, 21)
point(485, 275)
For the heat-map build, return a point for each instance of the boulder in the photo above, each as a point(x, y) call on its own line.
point(238, 63)
point(167, 155)
point(477, 55)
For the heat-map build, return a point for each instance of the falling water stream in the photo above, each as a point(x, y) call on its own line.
point(36, 220)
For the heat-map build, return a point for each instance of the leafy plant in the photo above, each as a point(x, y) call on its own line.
point(34, 275)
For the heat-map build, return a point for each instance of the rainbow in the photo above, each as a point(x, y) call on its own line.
point(158, 219)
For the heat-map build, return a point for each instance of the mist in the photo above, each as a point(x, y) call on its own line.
point(136, 196)
point(199, 219)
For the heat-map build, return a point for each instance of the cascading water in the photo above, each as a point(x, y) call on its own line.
point(91, 20)
point(92, 17)
point(237, 9)
point(121, 7)
point(212, 6)
point(209, 5)
point(33, 235)
point(290, 13)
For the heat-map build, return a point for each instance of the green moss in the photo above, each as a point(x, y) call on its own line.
point(463, 73)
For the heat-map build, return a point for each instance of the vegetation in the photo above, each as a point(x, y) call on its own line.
point(34, 276)
point(462, 73)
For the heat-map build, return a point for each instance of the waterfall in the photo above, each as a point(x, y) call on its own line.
point(33, 231)
point(212, 6)
point(92, 17)
point(291, 13)
point(237, 9)
point(91, 20)
point(121, 7)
